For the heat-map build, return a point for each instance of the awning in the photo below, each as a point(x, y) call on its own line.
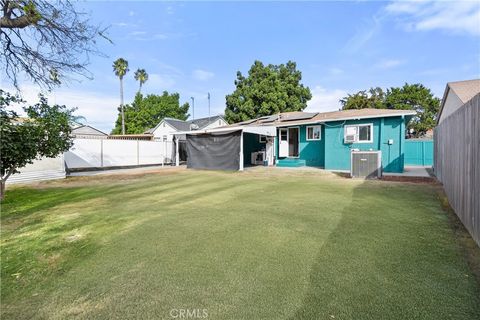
point(269, 131)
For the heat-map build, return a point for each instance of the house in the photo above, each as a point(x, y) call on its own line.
point(456, 95)
point(166, 128)
point(84, 131)
point(325, 140)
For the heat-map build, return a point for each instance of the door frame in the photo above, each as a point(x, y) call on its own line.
point(280, 141)
point(288, 141)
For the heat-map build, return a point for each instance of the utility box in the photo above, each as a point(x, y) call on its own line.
point(366, 164)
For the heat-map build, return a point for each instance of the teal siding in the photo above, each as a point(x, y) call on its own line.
point(418, 152)
point(311, 153)
point(251, 143)
point(337, 153)
point(333, 154)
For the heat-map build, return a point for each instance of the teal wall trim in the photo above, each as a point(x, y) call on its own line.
point(418, 152)
point(332, 153)
point(311, 152)
point(251, 143)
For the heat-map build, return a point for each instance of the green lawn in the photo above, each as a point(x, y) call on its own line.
point(264, 244)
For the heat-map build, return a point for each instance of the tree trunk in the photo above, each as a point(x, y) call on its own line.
point(121, 106)
point(2, 189)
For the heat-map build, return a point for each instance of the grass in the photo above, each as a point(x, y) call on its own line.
point(265, 244)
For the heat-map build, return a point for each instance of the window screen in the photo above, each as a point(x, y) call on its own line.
point(364, 133)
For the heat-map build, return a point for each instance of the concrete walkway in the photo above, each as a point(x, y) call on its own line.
point(421, 172)
point(135, 170)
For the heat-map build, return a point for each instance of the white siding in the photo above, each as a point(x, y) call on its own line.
point(43, 169)
point(217, 123)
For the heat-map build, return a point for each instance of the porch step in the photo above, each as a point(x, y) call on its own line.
point(291, 163)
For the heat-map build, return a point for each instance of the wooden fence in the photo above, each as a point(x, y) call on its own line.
point(457, 163)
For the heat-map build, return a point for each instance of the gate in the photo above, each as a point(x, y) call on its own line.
point(418, 152)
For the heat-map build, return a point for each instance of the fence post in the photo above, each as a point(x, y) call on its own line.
point(101, 153)
point(138, 152)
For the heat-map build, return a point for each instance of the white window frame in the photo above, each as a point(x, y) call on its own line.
point(357, 135)
point(313, 128)
point(262, 138)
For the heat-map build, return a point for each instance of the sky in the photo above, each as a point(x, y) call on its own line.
point(340, 47)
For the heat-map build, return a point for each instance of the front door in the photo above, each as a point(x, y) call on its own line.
point(293, 142)
point(283, 145)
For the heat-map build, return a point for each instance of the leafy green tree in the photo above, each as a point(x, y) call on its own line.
point(415, 97)
point(409, 97)
point(141, 76)
point(373, 98)
point(120, 67)
point(265, 91)
point(45, 133)
point(146, 112)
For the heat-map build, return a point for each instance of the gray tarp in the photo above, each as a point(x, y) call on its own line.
point(214, 151)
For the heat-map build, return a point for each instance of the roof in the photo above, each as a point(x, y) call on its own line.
point(182, 125)
point(87, 130)
point(465, 91)
point(292, 118)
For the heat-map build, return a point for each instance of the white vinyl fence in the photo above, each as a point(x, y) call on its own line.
point(100, 153)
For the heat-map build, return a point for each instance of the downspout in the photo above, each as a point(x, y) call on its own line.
point(402, 139)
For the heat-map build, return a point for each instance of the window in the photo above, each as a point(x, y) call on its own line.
point(262, 139)
point(314, 133)
point(360, 133)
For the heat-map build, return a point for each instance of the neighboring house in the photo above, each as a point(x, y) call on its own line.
point(165, 130)
point(323, 140)
point(456, 95)
point(83, 131)
point(41, 169)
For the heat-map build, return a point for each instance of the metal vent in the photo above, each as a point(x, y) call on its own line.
point(366, 164)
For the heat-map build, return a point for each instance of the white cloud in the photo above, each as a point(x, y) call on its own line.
point(324, 100)
point(363, 35)
point(99, 110)
point(157, 82)
point(452, 16)
point(131, 13)
point(335, 71)
point(137, 33)
point(389, 63)
point(202, 75)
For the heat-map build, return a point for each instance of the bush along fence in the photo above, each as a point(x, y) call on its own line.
point(457, 163)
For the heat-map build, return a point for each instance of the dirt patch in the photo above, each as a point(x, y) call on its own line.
point(71, 182)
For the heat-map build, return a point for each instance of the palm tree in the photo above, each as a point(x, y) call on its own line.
point(141, 76)
point(120, 67)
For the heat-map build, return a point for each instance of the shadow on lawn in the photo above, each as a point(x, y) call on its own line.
point(391, 256)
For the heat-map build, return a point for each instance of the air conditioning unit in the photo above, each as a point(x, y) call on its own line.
point(350, 138)
point(366, 164)
point(257, 158)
